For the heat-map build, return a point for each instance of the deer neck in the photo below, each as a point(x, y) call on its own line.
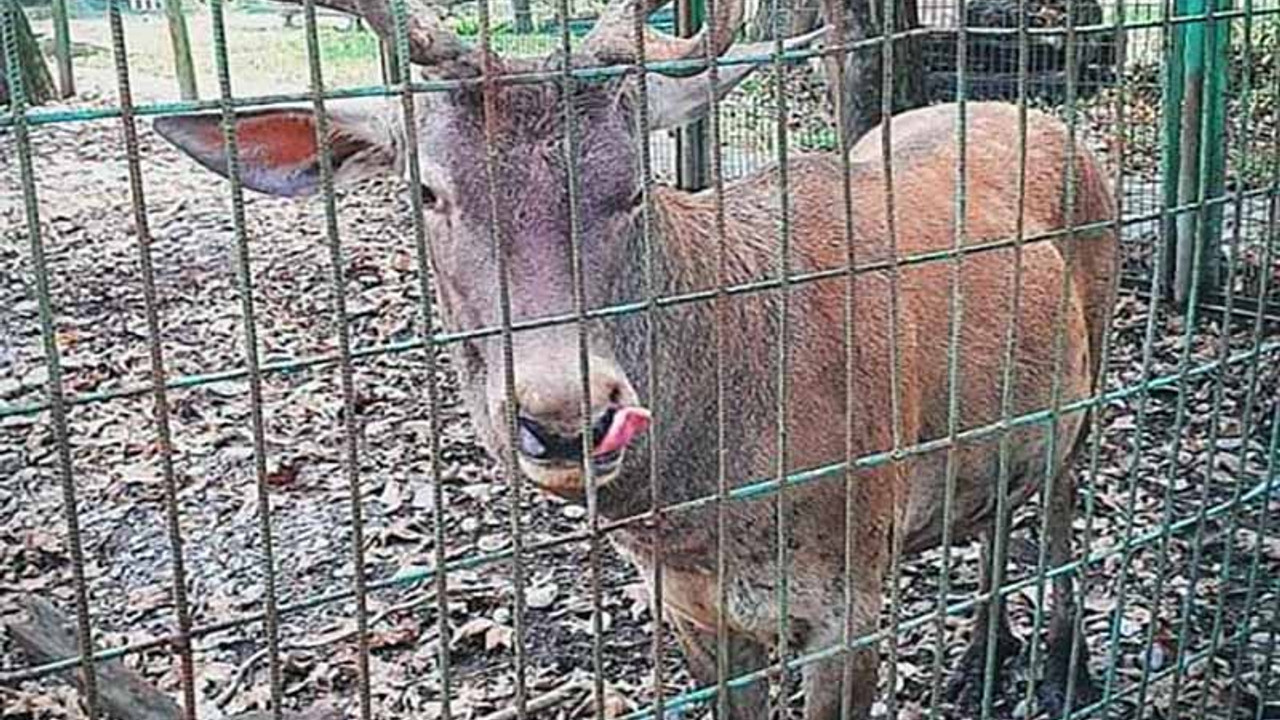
point(686, 257)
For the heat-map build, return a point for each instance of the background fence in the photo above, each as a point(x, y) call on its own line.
point(190, 504)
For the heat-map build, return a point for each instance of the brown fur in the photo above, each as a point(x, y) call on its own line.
point(924, 169)
point(1066, 296)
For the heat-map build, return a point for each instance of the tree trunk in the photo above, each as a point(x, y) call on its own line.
point(47, 637)
point(523, 15)
point(183, 67)
point(798, 17)
point(62, 49)
point(37, 83)
point(863, 81)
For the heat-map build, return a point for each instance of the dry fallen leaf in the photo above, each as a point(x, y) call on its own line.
point(286, 474)
point(404, 634)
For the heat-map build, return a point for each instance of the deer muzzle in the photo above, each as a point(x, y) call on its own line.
point(554, 460)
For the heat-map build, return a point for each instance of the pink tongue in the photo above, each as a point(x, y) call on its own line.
point(627, 423)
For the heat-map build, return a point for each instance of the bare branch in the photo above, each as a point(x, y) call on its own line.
point(613, 38)
point(430, 42)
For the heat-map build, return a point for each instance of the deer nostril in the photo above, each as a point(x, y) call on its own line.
point(532, 438)
point(601, 426)
point(539, 442)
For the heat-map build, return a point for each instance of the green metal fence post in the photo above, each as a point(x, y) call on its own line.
point(183, 66)
point(1194, 147)
point(62, 49)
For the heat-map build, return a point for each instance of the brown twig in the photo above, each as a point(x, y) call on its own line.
point(247, 666)
point(548, 699)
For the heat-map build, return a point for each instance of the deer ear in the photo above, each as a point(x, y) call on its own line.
point(676, 101)
point(277, 148)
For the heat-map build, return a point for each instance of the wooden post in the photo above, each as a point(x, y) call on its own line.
point(62, 49)
point(1213, 141)
point(1171, 155)
point(692, 145)
point(390, 63)
point(183, 66)
point(1189, 144)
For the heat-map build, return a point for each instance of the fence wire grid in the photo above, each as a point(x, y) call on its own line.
point(237, 474)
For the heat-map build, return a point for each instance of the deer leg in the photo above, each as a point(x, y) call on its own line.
point(745, 655)
point(966, 686)
point(1062, 679)
point(844, 685)
point(847, 678)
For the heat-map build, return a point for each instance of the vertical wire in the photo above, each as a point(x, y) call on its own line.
point(426, 293)
point(1272, 482)
point(1180, 415)
point(1099, 382)
point(839, 38)
point(895, 357)
point(1080, 587)
point(351, 428)
point(955, 310)
point(584, 356)
point(244, 282)
point(896, 540)
point(651, 343)
point(720, 309)
point(52, 360)
point(1051, 477)
point(782, 505)
point(498, 241)
point(1155, 291)
point(996, 612)
point(1219, 392)
point(1268, 667)
point(1268, 258)
point(1049, 487)
point(159, 392)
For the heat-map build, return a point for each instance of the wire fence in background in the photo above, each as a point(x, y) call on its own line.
point(1110, 84)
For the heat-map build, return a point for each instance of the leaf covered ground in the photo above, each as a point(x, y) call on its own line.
point(1150, 469)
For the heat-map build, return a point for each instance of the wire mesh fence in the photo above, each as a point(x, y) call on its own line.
point(271, 455)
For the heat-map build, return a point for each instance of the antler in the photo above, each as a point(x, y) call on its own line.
point(613, 37)
point(430, 42)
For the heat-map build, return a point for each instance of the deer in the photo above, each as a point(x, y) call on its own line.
point(493, 170)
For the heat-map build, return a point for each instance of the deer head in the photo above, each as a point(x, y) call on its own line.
point(529, 210)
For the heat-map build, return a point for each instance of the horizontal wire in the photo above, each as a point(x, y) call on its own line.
point(46, 117)
point(1138, 542)
point(759, 286)
point(753, 490)
point(709, 692)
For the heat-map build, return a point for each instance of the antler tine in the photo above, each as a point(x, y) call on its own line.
point(430, 42)
point(613, 37)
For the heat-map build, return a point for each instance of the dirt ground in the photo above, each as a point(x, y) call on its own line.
point(87, 225)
